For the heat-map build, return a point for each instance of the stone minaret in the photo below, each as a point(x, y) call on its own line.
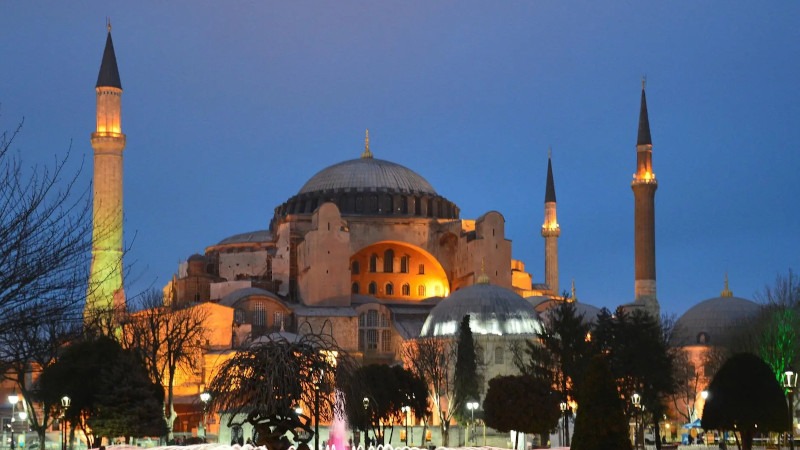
point(644, 187)
point(550, 232)
point(105, 290)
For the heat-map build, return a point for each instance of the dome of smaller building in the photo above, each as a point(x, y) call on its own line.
point(710, 321)
point(493, 310)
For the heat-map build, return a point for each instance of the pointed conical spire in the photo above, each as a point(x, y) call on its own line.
point(644, 121)
point(550, 189)
point(574, 292)
point(367, 153)
point(109, 74)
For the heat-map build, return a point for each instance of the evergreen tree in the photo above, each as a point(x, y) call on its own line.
point(601, 423)
point(523, 403)
point(744, 396)
point(466, 379)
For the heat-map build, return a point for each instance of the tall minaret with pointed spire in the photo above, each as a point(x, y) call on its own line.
point(550, 231)
point(105, 289)
point(644, 187)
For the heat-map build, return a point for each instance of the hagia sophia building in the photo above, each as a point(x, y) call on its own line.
point(369, 251)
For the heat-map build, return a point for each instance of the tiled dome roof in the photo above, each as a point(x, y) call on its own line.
point(368, 174)
point(709, 322)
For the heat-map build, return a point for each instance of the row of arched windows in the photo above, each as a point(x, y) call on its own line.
point(388, 289)
point(388, 264)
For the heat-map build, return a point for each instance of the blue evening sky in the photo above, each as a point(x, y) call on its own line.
point(229, 107)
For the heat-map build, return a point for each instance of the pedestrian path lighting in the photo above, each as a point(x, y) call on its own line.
point(563, 406)
point(65, 402)
point(205, 396)
point(790, 383)
point(13, 399)
point(472, 406)
point(636, 399)
point(406, 409)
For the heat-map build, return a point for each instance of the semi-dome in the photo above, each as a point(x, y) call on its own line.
point(493, 310)
point(711, 321)
point(368, 174)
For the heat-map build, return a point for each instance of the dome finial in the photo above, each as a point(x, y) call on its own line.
point(726, 292)
point(644, 81)
point(367, 153)
point(108, 23)
point(483, 278)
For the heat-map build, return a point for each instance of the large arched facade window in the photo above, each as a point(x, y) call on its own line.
point(373, 263)
point(388, 261)
point(374, 334)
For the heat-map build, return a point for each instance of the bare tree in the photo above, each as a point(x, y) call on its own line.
point(45, 240)
point(27, 351)
point(433, 360)
point(168, 338)
point(265, 383)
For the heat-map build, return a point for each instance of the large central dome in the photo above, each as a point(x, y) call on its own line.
point(368, 174)
point(369, 187)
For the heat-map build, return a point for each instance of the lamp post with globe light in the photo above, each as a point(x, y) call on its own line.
point(65, 402)
point(636, 399)
point(205, 396)
point(13, 398)
point(472, 406)
point(365, 403)
point(563, 407)
point(790, 383)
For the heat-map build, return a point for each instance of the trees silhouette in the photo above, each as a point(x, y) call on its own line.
point(744, 396)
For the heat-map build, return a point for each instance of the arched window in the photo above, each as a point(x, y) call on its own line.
point(373, 288)
point(373, 332)
point(388, 261)
point(499, 355)
point(373, 263)
point(406, 289)
point(422, 269)
point(354, 288)
point(355, 268)
point(389, 289)
point(404, 264)
point(259, 314)
point(421, 290)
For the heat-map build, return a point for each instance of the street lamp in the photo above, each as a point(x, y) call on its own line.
point(365, 402)
point(790, 383)
point(563, 406)
point(636, 399)
point(406, 409)
point(13, 399)
point(205, 396)
point(472, 406)
point(65, 402)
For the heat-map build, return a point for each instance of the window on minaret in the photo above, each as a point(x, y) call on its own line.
point(356, 268)
point(373, 263)
point(388, 261)
point(404, 264)
point(373, 288)
point(259, 314)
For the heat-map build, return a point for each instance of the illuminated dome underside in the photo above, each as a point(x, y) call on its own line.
point(711, 321)
point(493, 310)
